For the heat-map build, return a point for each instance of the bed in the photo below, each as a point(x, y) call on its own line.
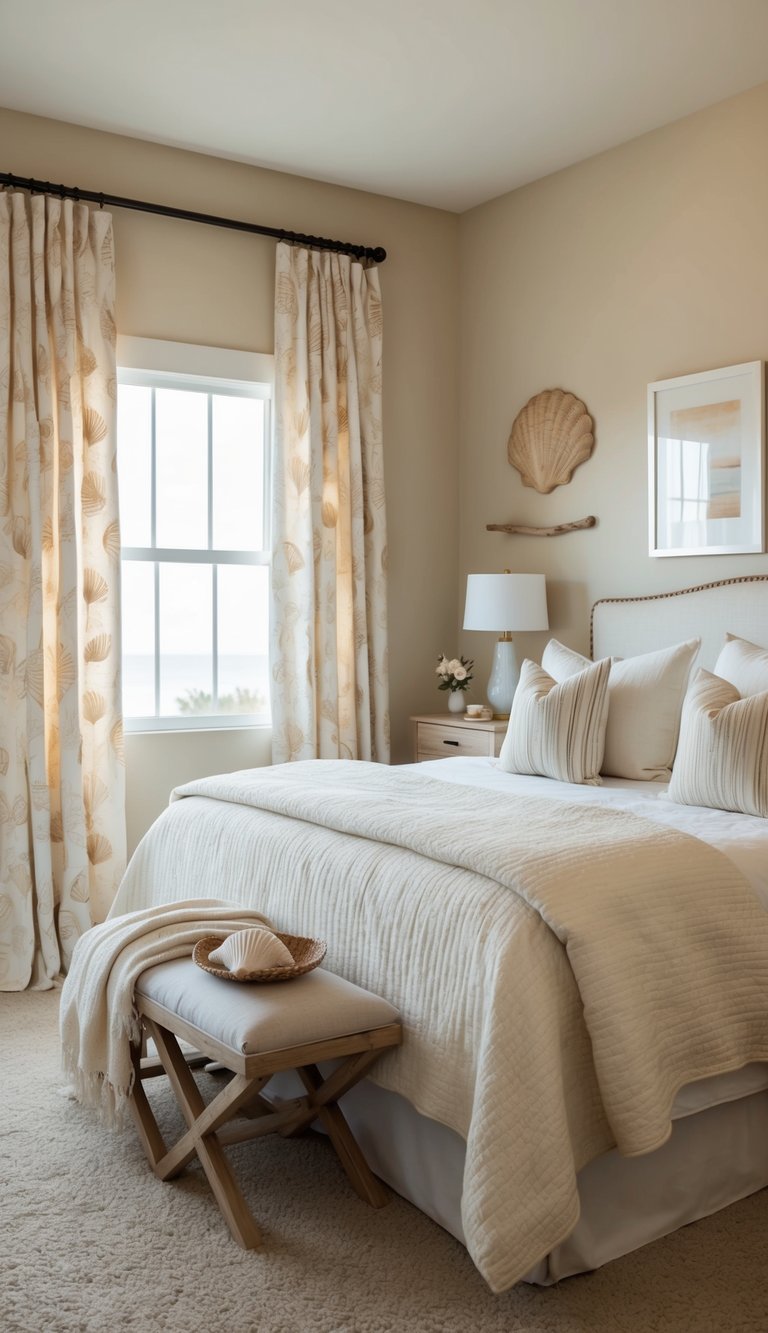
point(585, 1071)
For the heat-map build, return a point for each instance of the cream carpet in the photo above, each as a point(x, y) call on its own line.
point(91, 1241)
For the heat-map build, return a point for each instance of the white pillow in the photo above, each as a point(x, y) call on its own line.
point(722, 758)
point(645, 699)
point(744, 665)
point(558, 731)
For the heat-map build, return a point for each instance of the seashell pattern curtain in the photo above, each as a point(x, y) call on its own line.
point(329, 609)
point(62, 821)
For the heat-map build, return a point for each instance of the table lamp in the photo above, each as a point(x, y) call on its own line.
point(506, 602)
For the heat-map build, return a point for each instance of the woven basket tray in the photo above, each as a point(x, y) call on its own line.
point(306, 953)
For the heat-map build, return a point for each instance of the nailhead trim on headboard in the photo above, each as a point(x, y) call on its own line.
point(662, 596)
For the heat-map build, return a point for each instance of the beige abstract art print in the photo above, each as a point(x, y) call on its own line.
point(706, 438)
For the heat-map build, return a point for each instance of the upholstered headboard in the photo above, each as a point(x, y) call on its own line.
point(626, 626)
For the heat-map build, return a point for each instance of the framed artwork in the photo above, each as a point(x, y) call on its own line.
point(706, 462)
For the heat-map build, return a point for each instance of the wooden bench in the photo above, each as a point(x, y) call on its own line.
point(256, 1030)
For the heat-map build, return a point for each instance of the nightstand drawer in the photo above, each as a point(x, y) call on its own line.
point(434, 741)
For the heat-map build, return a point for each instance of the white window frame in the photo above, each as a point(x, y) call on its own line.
point(158, 364)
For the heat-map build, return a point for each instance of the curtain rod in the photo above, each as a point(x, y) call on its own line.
point(374, 253)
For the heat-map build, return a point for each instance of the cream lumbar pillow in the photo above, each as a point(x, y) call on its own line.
point(722, 758)
point(558, 730)
point(744, 665)
point(645, 699)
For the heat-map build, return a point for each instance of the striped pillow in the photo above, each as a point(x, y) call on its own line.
point(558, 731)
point(722, 756)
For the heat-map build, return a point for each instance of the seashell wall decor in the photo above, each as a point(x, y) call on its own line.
point(550, 437)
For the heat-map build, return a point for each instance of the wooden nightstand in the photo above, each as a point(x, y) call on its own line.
point(446, 736)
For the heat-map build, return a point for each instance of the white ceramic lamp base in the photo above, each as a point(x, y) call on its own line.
point(503, 679)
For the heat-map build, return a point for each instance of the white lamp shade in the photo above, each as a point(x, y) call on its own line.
point(506, 602)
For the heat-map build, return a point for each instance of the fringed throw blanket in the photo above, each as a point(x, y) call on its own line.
point(560, 972)
point(98, 1020)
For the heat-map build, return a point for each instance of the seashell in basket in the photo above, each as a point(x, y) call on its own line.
point(550, 437)
point(252, 950)
point(306, 954)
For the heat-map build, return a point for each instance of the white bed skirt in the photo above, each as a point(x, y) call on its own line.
point(713, 1158)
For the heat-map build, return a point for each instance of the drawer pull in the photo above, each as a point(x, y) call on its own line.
point(450, 742)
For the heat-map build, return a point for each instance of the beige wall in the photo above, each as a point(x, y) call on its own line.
point(191, 283)
point(646, 262)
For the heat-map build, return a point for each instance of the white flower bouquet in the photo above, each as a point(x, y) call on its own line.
point(455, 673)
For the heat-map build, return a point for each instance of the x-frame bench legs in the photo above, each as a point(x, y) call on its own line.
point(208, 1130)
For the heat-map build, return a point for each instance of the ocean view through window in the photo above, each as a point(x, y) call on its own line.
point(193, 472)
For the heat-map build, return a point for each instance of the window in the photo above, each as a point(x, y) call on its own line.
point(193, 467)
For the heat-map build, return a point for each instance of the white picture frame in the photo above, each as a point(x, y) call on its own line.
point(706, 462)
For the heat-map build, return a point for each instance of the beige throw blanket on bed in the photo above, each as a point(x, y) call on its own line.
point(561, 972)
point(97, 1018)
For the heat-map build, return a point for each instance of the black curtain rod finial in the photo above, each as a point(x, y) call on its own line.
point(374, 253)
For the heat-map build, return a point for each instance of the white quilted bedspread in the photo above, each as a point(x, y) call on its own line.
point(560, 973)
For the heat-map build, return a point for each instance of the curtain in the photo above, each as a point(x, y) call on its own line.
point(62, 821)
point(329, 616)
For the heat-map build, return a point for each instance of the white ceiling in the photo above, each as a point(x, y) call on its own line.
point(443, 102)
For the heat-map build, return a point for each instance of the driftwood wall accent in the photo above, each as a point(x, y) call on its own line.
point(521, 530)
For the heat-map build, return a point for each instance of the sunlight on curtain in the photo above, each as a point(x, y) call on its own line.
point(62, 821)
point(329, 611)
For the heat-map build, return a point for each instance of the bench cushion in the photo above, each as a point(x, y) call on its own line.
point(253, 1017)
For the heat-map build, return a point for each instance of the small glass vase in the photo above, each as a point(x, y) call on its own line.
point(456, 701)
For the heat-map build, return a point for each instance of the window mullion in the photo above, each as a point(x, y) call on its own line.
point(157, 638)
point(153, 470)
point(153, 539)
point(210, 472)
point(215, 633)
point(169, 555)
point(214, 569)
